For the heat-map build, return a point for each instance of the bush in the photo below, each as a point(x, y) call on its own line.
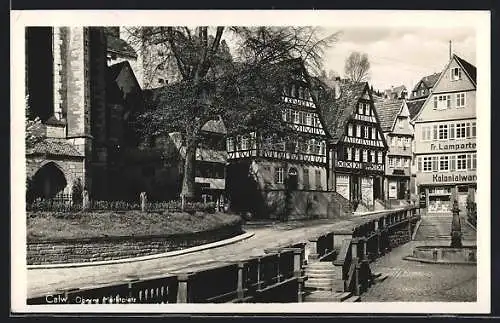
point(170, 206)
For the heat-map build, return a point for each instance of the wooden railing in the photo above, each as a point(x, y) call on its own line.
point(370, 240)
point(276, 274)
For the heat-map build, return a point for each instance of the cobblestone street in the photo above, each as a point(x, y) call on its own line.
point(415, 281)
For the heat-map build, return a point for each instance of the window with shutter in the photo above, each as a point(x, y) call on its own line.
point(452, 131)
point(468, 130)
point(452, 162)
point(469, 161)
point(435, 132)
point(474, 161)
point(435, 165)
point(473, 129)
point(435, 103)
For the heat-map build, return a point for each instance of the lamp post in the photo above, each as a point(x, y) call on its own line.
point(456, 227)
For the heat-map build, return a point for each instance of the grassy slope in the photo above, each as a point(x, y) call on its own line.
point(42, 226)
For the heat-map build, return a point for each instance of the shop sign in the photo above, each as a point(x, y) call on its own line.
point(436, 178)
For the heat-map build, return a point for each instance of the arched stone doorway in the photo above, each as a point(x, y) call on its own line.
point(48, 181)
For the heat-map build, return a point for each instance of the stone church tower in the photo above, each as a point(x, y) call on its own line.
point(65, 84)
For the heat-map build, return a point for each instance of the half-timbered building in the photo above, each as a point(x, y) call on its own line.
point(261, 168)
point(357, 148)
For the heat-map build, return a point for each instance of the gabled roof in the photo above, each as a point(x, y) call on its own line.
point(119, 46)
point(414, 107)
point(468, 67)
point(114, 91)
point(216, 126)
point(55, 147)
point(336, 113)
point(387, 111)
point(429, 81)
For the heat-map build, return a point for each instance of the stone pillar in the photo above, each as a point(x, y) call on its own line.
point(183, 288)
point(240, 291)
point(144, 200)
point(297, 262)
point(312, 248)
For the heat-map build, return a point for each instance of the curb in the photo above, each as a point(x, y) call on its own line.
point(429, 261)
point(168, 254)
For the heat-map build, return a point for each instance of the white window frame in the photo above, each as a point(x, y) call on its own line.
point(361, 108)
point(366, 132)
point(350, 130)
point(280, 171)
point(391, 161)
point(296, 118)
point(230, 144)
point(374, 133)
point(365, 155)
point(358, 131)
point(349, 153)
point(460, 100)
point(459, 128)
point(427, 161)
point(356, 154)
point(456, 76)
point(380, 157)
point(374, 156)
point(309, 119)
point(245, 145)
point(444, 160)
point(461, 158)
point(444, 130)
point(426, 133)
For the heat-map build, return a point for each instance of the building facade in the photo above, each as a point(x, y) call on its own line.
point(398, 132)
point(357, 148)
point(261, 168)
point(65, 85)
point(445, 139)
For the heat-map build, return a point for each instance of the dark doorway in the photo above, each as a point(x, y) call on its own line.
point(293, 181)
point(48, 181)
point(377, 188)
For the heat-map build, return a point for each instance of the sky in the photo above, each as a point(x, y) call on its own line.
point(400, 56)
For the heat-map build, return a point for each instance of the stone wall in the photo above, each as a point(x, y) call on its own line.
point(304, 205)
point(110, 248)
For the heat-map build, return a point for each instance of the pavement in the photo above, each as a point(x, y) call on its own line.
point(413, 281)
point(266, 235)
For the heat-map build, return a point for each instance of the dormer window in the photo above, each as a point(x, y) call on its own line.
point(456, 74)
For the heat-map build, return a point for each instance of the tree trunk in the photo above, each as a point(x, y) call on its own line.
point(188, 189)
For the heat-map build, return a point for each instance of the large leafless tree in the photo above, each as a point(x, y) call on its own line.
point(241, 87)
point(357, 67)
